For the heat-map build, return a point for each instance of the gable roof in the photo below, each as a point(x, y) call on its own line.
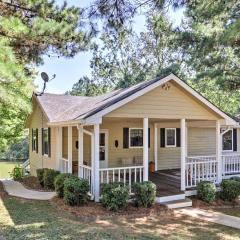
point(64, 108)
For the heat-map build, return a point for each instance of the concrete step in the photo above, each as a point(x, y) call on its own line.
point(170, 198)
point(179, 203)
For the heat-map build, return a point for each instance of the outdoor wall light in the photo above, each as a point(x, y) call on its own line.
point(116, 143)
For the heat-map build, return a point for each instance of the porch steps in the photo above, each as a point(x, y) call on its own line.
point(170, 198)
point(179, 203)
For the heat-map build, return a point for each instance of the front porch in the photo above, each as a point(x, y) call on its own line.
point(86, 149)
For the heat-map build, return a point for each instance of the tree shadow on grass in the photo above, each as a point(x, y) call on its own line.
point(40, 220)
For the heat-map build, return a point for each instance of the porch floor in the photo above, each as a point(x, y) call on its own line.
point(168, 182)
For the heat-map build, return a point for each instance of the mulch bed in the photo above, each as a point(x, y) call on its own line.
point(32, 183)
point(3, 193)
point(93, 210)
point(218, 203)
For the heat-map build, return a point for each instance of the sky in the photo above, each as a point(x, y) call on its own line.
point(68, 71)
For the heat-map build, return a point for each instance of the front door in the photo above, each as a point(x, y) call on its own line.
point(103, 148)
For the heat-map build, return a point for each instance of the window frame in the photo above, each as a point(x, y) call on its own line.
point(34, 131)
point(129, 137)
point(232, 141)
point(45, 154)
point(175, 137)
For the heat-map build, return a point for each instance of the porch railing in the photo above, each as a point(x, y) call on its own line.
point(86, 173)
point(64, 165)
point(231, 164)
point(200, 168)
point(126, 175)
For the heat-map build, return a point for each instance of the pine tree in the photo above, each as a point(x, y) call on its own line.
point(28, 31)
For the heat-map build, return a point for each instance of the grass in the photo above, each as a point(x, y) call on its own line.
point(230, 211)
point(6, 168)
point(25, 219)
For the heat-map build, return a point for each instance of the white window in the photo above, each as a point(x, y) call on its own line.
point(34, 139)
point(45, 141)
point(170, 137)
point(227, 141)
point(136, 137)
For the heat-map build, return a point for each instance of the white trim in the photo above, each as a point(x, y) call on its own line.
point(69, 149)
point(154, 85)
point(156, 146)
point(42, 133)
point(129, 137)
point(231, 129)
point(106, 132)
point(145, 149)
point(175, 136)
point(80, 151)
point(218, 152)
point(183, 154)
point(96, 163)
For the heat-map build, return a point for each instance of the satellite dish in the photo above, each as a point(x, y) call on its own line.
point(44, 76)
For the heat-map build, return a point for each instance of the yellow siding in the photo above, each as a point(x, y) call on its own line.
point(201, 141)
point(174, 103)
point(38, 120)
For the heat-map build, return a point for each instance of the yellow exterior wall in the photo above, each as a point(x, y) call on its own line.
point(38, 120)
point(174, 103)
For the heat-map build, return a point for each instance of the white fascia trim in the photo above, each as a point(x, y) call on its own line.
point(151, 87)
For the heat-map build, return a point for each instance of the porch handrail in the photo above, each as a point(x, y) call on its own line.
point(231, 163)
point(64, 165)
point(86, 173)
point(127, 175)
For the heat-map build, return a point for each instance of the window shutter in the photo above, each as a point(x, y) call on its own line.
point(125, 137)
point(36, 140)
point(32, 140)
point(42, 142)
point(235, 139)
point(149, 138)
point(49, 142)
point(162, 137)
point(178, 136)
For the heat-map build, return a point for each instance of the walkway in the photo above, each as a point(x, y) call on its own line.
point(16, 189)
point(211, 216)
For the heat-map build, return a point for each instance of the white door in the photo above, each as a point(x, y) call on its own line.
point(103, 148)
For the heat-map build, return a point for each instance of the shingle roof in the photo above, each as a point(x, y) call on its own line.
point(60, 108)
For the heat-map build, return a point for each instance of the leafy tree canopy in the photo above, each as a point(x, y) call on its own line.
point(28, 30)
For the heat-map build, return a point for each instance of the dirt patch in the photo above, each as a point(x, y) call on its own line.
point(32, 183)
point(92, 210)
point(218, 203)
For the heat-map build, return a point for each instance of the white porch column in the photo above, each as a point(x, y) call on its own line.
point(218, 152)
point(96, 163)
point(80, 151)
point(69, 149)
point(156, 146)
point(59, 149)
point(145, 149)
point(183, 153)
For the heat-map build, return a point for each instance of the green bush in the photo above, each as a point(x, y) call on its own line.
point(17, 173)
point(40, 173)
point(75, 191)
point(114, 196)
point(206, 191)
point(144, 193)
point(59, 182)
point(230, 189)
point(48, 178)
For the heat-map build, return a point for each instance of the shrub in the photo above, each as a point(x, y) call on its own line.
point(145, 193)
point(75, 191)
point(59, 182)
point(114, 196)
point(230, 189)
point(235, 178)
point(48, 178)
point(206, 191)
point(17, 173)
point(40, 173)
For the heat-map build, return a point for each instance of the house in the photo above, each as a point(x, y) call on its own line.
point(114, 137)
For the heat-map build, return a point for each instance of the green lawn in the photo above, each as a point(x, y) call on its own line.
point(23, 220)
point(6, 167)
